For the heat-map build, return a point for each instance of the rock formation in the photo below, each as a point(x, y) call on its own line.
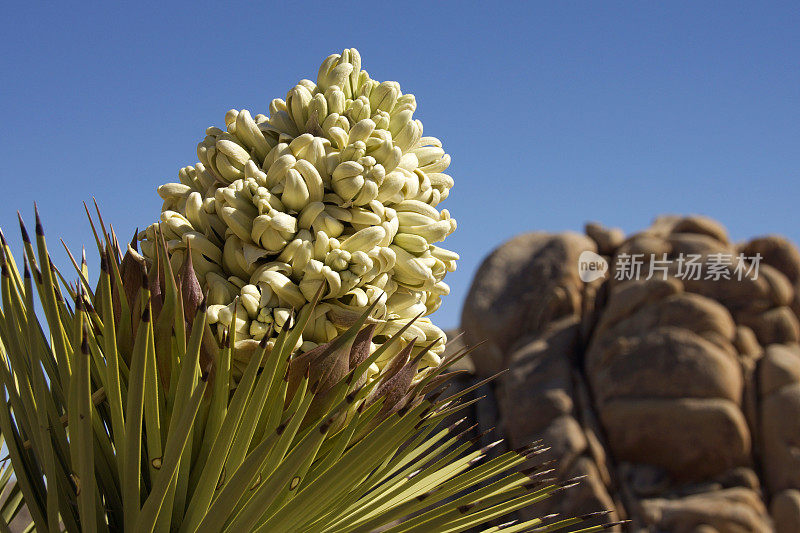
point(672, 383)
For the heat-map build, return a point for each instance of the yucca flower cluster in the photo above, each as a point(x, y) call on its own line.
point(338, 188)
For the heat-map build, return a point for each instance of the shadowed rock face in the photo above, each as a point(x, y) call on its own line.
point(678, 396)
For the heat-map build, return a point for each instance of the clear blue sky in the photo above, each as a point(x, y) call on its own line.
point(554, 113)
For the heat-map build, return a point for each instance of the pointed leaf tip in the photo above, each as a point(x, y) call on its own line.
point(455, 424)
point(39, 228)
point(476, 439)
point(491, 444)
point(23, 230)
point(79, 304)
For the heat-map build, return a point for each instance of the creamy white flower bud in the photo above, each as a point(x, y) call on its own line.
point(297, 104)
point(365, 239)
point(334, 73)
point(220, 290)
point(172, 190)
point(361, 131)
point(250, 297)
point(258, 329)
point(385, 95)
point(283, 287)
point(212, 313)
point(336, 100)
point(415, 244)
point(250, 135)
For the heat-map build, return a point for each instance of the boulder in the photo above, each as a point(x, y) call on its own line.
point(538, 387)
point(746, 343)
point(701, 225)
point(747, 294)
point(693, 244)
point(644, 480)
point(739, 476)
point(778, 325)
point(692, 312)
point(780, 367)
point(785, 511)
point(780, 437)
point(518, 290)
point(666, 363)
point(692, 439)
point(628, 297)
point(642, 243)
point(736, 510)
point(565, 437)
point(777, 252)
point(606, 239)
point(781, 290)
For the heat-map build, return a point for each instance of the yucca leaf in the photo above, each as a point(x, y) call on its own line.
point(47, 292)
point(169, 327)
point(13, 499)
point(113, 386)
point(469, 510)
point(170, 334)
point(272, 411)
point(131, 479)
point(12, 265)
point(47, 451)
point(82, 437)
point(52, 438)
point(433, 486)
point(82, 274)
point(152, 401)
point(219, 404)
point(176, 443)
point(407, 482)
point(28, 477)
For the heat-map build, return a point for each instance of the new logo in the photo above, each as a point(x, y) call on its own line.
point(591, 266)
